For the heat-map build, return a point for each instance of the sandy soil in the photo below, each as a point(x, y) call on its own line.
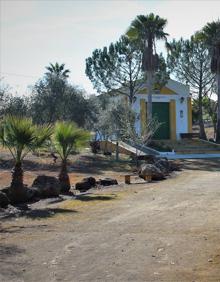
point(164, 231)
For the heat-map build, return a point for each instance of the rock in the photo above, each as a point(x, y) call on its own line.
point(174, 166)
point(152, 170)
point(83, 186)
point(90, 180)
point(163, 164)
point(86, 184)
point(107, 153)
point(5, 190)
point(33, 193)
point(108, 182)
point(46, 186)
point(4, 201)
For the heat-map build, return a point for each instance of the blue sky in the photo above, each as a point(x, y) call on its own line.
point(34, 33)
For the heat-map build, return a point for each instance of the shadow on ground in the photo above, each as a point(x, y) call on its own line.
point(34, 213)
point(45, 213)
point(87, 198)
point(9, 250)
point(17, 228)
point(201, 164)
point(89, 164)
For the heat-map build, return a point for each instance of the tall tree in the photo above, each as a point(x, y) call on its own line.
point(189, 61)
point(69, 103)
point(47, 98)
point(147, 29)
point(50, 91)
point(57, 70)
point(211, 35)
point(116, 69)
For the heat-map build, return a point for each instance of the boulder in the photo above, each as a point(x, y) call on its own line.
point(33, 193)
point(175, 166)
point(163, 164)
point(4, 201)
point(108, 182)
point(82, 186)
point(90, 180)
point(86, 184)
point(46, 186)
point(151, 170)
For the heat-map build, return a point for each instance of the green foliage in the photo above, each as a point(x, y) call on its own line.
point(189, 61)
point(210, 33)
point(21, 136)
point(147, 28)
point(162, 75)
point(57, 70)
point(11, 105)
point(116, 68)
point(53, 98)
point(210, 107)
point(68, 137)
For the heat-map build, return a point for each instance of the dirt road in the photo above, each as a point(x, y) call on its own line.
point(166, 231)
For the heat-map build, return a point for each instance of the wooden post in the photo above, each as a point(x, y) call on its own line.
point(127, 179)
point(148, 178)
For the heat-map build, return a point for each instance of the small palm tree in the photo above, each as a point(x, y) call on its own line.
point(67, 137)
point(147, 29)
point(58, 70)
point(211, 36)
point(21, 136)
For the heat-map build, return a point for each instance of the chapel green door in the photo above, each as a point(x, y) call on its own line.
point(161, 112)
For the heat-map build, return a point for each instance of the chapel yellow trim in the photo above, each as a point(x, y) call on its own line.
point(189, 109)
point(172, 110)
point(164, 91)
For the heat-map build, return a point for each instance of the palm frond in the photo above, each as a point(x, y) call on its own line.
point(20, 135)
point(67, 137)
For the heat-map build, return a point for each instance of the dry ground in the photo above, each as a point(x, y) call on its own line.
point(164, 231)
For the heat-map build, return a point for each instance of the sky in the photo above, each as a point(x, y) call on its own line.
point(34, 33)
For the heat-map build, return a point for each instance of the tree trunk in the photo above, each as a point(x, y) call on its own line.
point(64, 177)
point(149, 89)
point(117, 151)
point(202, 134)
point(17, 191)
point(218, 113)
point(136, 158)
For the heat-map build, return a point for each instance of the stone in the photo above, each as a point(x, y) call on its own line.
point(90, 180)
point(175, 166)
point(83, 186)
point(86, 184)
point(33, 193)
point(46, 186)
point(163, 164)
point(151, 170)
point(4, 201)
point(108, 182)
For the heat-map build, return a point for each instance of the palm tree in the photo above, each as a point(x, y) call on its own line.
point(211, 35)
point(147, 29)
point(67, 138)
point(21, 136)
point(58, 70)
